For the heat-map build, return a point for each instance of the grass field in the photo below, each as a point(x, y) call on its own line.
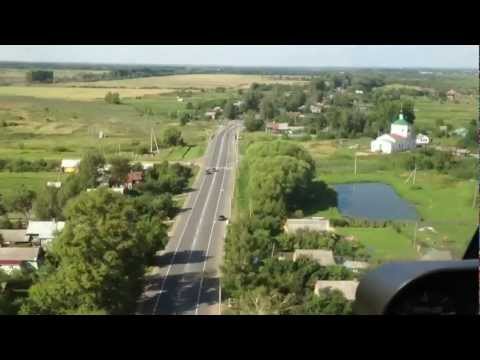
point(383, 243)
point(11, 182)
point(71, 93)
point(458, 115)
point(206, 81)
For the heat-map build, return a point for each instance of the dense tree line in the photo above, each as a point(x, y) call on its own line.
point(280, 175)
point(21, 165)
point(41, 76)
point(97, 263)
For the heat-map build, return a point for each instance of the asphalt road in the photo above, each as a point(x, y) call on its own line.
point(187, 282)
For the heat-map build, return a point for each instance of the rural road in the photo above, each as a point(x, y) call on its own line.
point(187, 281)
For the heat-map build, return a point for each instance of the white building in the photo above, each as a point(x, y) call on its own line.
point(355, 266)
point(422, 139)
point(359, 92)
point(401, 138)
point(320, 256)
point(55, 184)
point(313, 224)
point(43, 232)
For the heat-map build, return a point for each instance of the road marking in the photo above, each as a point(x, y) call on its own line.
point(197, 306)
point(180, 241)
point(202, 215)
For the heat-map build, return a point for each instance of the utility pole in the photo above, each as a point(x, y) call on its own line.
point(414, 174)
point(415, 236)
point(219, 297)
point(475, 193)
point(355, 164)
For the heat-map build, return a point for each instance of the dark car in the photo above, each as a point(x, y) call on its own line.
point(221, 218)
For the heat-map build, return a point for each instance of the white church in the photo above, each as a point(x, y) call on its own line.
point(401, 138)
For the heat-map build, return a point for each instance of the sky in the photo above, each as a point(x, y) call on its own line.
point(396, 56)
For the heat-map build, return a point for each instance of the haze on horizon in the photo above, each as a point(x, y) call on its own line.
point(386, 56)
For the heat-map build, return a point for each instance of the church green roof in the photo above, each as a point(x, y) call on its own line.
point(400, 120)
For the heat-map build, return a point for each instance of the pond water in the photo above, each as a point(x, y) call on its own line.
point(374, 201)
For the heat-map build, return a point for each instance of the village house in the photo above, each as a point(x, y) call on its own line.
point(314, 224)
point(54, 184)
point(422, 139)
point(347, 287)
point(316, 108)
point(133, 178)
point(322, 257)
point(211, 114)
point(275, 128)
point(18, 258)
point(355, 266)
point(462, 132)
point(179, 99)
point(43, 232)
point(451, 95)
point(359, 92)
point(401, 138)
point(238, 103)
point(11, 237)
point(70, 165)
point(147, 166)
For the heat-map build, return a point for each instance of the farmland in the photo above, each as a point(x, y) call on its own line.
point(195, 81)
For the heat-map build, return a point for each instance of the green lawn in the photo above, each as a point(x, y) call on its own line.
point(11, 182)
point(384, 243)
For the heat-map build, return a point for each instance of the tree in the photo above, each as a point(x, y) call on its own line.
point(172, 137)
point(120, 167)
point(22, 201)
point(252, 123)
point(327, 303)
point(409, 111)
point(296, 99)
point(267, 108)
point(3, 208)
point(251, 99)
point(184, 118)
point(112, 98)
point(230, 111)
point(88, 170)
point(100, 258)
point(46, 205)
point(189, 106)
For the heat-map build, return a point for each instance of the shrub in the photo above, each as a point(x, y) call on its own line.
point(60, 149)
point(143, 149)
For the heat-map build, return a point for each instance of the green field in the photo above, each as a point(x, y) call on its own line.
point(36, 181)
point(384, 243)
point(458, 115)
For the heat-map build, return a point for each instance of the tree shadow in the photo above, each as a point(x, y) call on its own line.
point(181, 257)
point(321, 197)
point(179, 295)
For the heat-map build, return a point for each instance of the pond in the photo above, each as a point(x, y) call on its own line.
point(373, 201)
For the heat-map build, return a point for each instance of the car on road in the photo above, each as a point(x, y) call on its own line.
point(208, 171)
point(221, 218)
